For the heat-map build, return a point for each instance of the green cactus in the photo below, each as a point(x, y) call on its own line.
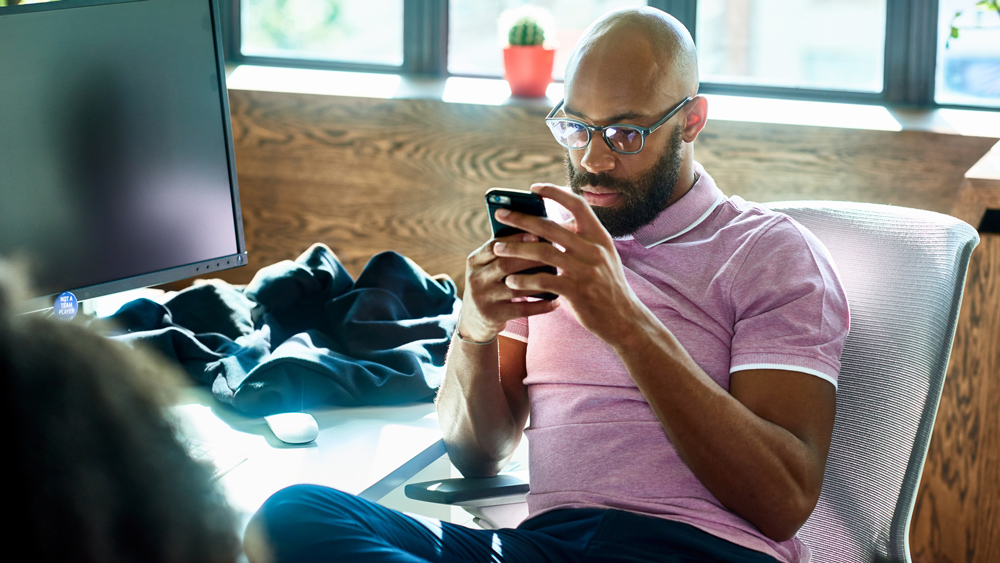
point(526, 31)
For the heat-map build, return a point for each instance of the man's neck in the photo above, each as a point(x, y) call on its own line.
point(686, 180)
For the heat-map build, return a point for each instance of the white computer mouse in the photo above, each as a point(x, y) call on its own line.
point(293, 427)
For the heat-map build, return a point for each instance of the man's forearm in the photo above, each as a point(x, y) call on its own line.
point(480, 430)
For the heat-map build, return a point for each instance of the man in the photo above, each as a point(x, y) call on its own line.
point(682, 386)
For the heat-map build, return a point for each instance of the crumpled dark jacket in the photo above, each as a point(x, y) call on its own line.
point(304, 333)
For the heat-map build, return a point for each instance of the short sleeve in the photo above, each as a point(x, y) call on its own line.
point(790, 308)
point(516, 329)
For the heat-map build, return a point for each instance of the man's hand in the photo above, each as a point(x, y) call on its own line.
point(590, 275)
point(488, 303)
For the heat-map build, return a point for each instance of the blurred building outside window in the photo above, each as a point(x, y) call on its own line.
point(968, 62)
point(817, 44)
point(475, 42)
point(356, 31)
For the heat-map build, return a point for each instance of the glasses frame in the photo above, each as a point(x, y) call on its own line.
point(592, 129)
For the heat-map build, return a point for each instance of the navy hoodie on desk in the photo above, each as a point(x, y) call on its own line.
point(304, 333)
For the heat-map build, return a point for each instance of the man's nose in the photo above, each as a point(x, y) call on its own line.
point(598, 156)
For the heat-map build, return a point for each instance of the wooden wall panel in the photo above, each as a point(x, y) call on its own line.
point(365, 176)
point(957, 514)
point(778, 162)
point(370, 175)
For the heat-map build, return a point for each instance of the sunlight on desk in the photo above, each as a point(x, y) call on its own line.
point(978, 124)
point(487, 91)
point(367, 451)
point(327, 82)
point(799, 112)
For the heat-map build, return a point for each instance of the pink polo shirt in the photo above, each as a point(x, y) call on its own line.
point(741, 287)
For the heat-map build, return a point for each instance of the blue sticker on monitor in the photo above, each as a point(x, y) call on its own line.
point(65, 307)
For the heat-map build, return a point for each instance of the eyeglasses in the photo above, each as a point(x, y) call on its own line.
point(621, 137)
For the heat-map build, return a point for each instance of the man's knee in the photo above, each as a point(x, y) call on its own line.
point(280, 517)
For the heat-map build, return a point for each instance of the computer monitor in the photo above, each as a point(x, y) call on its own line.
point(116, 153)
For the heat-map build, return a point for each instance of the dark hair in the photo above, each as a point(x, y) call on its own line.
point(96, 470)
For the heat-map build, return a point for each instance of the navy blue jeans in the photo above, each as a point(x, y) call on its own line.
point(313, 523)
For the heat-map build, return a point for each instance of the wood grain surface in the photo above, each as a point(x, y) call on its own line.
point(366, 176)
point(957, 514)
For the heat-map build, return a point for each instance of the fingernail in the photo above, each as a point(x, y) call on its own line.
point(530, 238)
point(503, 212)
point(498, 247)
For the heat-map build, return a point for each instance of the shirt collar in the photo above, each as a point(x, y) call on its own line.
point(684, 214)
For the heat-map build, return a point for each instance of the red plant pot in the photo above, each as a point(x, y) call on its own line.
point(528, 69)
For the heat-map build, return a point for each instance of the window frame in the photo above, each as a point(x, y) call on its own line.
point(425, 42)
point(909, 64)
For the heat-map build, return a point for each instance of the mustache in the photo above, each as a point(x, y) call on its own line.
point(579, 178)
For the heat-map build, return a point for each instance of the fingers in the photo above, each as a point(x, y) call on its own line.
point(484, 255)
point(521, 309)
point(535, 252)
point(540, 226)
point(587, 222)
point(583, 254)
point(488, 302)
point(487, 308)
point(533, 284)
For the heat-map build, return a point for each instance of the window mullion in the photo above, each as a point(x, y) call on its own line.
point(425, 37)
point(910, 51)
point(684, 10)
point(923, 49)
point(229, 14)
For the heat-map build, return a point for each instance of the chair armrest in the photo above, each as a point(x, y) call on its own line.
point(483, 491)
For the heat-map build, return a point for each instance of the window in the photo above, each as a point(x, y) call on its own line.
point(968, 63)
point(357, 31)
point(823, 44)
point(474, 40)
point(913, 52)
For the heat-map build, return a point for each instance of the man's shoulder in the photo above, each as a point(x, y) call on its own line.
point(754, 231)
point(747, 217)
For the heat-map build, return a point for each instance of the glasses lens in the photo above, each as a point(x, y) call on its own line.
point(569, 134)
point(624, 139)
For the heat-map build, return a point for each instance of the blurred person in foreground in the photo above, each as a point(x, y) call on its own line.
point(95, 469)
point(681, 389)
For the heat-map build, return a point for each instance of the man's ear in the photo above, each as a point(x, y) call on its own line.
point(696, 116)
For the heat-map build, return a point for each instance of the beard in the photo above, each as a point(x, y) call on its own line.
point(642, 198)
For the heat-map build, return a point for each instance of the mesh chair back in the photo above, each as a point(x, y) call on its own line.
point(904, 273)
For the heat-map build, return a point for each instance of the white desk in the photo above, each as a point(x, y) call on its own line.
point(367, 451)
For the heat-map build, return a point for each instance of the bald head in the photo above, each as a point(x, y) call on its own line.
point(636, 48)
point(636, 66)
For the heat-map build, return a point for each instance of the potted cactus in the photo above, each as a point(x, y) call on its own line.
point(528, 52)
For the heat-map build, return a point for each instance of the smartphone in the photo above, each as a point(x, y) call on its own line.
point(523, 202)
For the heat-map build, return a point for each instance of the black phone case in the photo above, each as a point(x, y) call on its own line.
point(523, 202)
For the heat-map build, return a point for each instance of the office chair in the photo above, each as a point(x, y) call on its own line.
point(904, 273)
